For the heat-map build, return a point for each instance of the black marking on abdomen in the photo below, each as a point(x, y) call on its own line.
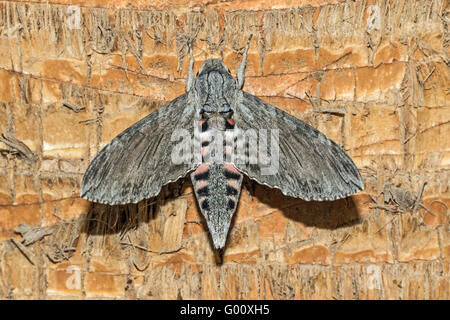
point(205, 126)
point(205, 204)
point(228, 125)
point(231, 175)
point(231, 191)
point(231, 204)
point(202, 176)
point(203, 191)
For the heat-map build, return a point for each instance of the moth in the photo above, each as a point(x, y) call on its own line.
point(139, 161)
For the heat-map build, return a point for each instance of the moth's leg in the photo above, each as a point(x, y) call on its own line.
point(240, 73)
point(190, 76)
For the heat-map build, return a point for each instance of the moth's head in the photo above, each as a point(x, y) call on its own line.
point(213, 65)
point(214, 75)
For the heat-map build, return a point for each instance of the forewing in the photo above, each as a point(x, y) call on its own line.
point(311, 166)
point(137, 163)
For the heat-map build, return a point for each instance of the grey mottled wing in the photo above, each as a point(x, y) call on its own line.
point(311, 166)
point(137, 163)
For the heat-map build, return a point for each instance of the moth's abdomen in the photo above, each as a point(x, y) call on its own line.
point(217, 186)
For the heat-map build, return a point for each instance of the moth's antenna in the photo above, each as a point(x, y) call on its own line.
point(190, 76)
point(240, 73)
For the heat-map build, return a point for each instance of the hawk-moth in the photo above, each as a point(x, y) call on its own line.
point(138, 162)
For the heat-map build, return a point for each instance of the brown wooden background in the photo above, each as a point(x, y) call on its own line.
point(372, 75)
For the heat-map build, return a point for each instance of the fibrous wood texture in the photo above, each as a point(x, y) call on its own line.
point(372, 75)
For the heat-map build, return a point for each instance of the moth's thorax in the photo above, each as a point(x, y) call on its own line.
point(214, 89)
